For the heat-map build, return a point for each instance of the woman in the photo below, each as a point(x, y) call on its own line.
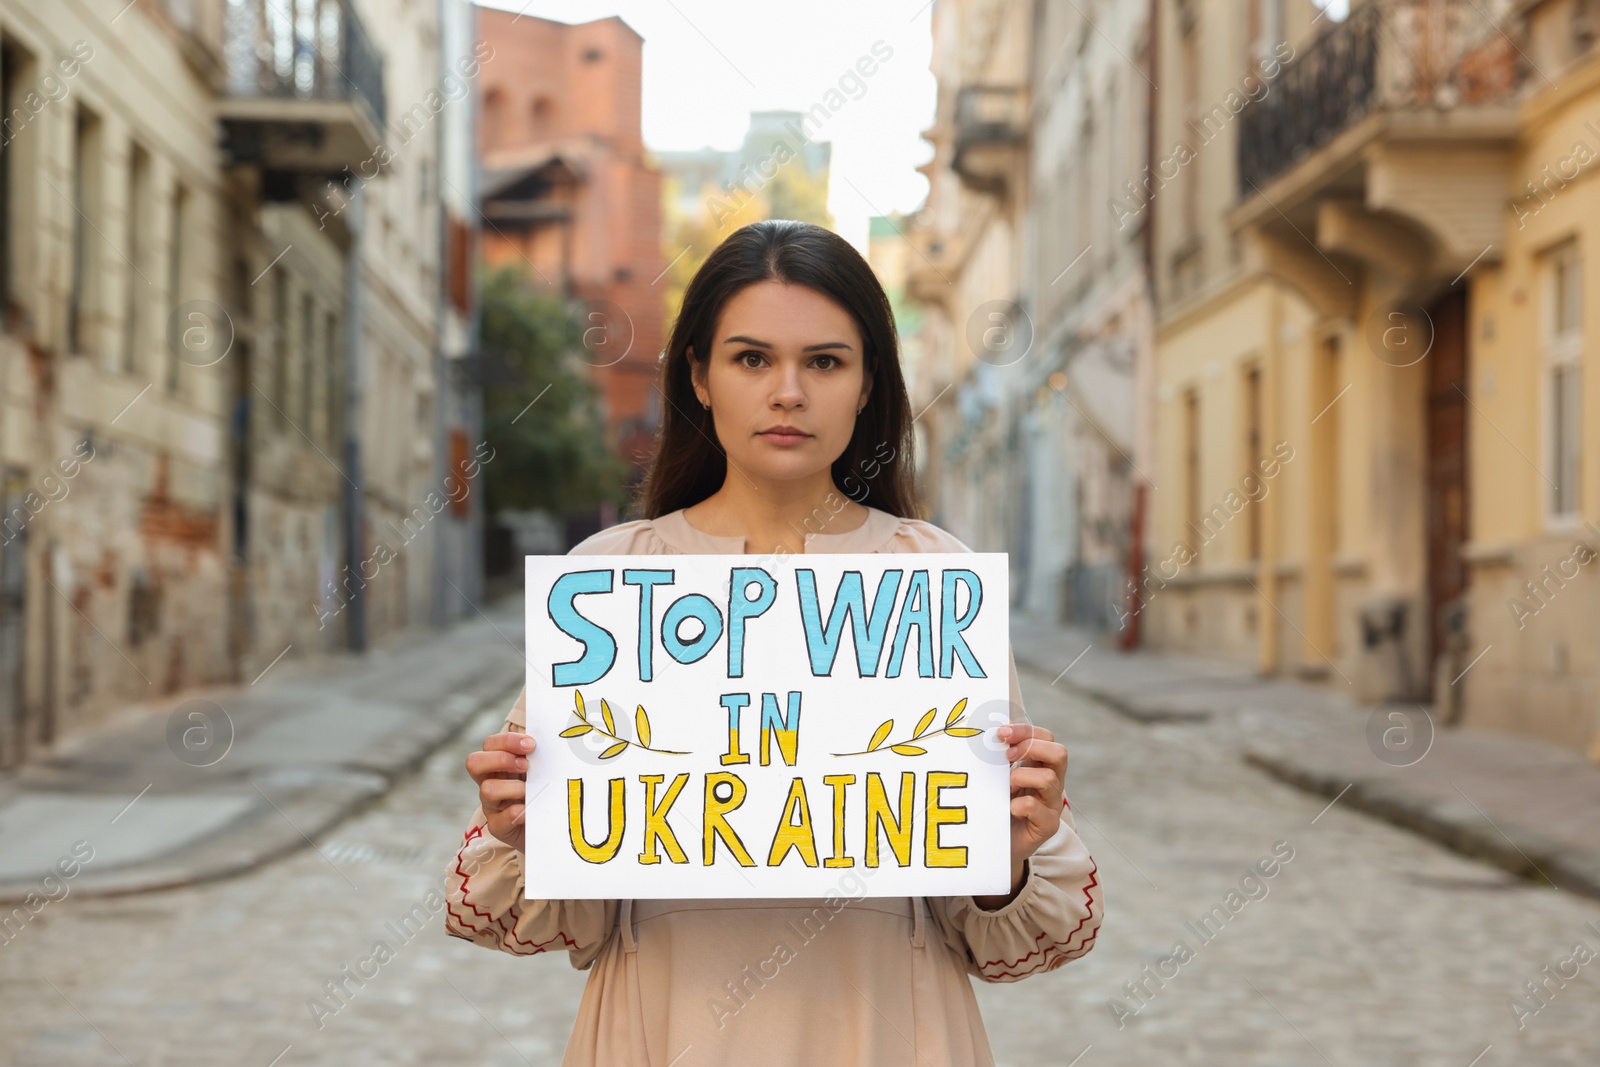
point(787, 429)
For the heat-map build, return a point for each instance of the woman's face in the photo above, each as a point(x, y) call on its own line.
point(784, 356)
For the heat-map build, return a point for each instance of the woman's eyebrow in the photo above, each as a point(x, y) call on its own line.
point(743, 340)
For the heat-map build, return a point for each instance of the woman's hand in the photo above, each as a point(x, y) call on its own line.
point(1038, 784)
point(500, 770)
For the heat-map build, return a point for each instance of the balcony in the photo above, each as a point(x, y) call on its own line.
point(991, 136)
point(1388, 142)
point(303, 86)
point(1396, 58)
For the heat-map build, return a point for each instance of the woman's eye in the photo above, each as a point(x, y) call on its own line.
point(833, 361)
point(745, 355)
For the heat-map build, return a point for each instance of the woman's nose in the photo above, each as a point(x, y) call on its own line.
point(789, 391)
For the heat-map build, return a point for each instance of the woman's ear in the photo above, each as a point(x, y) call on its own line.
point(696, 371)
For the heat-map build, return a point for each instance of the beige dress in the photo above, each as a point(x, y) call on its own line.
point(840, 980)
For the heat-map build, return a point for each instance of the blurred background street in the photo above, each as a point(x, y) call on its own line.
point(1369, 945)
point(1253, 331)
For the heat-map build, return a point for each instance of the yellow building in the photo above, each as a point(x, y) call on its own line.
point(1370, 403)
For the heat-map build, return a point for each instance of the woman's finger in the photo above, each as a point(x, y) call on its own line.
point(1042, 780)
point(483, 765)
point(1035, 752)
point(498, 792)
point(508, 741)
point(1040, 815)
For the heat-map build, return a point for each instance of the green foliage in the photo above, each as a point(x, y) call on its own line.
point(552, 455)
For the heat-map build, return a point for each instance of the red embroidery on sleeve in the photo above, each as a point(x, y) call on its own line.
point(1046, 960)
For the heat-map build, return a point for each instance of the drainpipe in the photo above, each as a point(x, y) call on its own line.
point(472, 407)
point(443, 401)
point(1272, 504)
point(354, 512)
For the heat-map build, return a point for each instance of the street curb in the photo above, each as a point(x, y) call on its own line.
point(289, 823)
point(1144, 712)
point(1458, 827)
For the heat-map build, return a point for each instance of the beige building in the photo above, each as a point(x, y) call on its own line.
point(1037, 343)
point(1371, 406)
point(968, 274)
point(1083, 425)
point(218, 371)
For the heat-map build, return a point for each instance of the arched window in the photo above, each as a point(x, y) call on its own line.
point(494, 116)
point(542, 114)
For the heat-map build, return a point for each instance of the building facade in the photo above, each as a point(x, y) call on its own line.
point(976, 337)
point(219, 368)
point(1037, 341)
point(569, 194)
point(1372, 406)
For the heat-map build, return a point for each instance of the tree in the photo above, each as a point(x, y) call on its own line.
point(542, 417)
point(789, 193)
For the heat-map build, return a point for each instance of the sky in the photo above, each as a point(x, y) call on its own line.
point(709, 63)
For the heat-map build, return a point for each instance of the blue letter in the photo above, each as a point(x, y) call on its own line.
point(645, 580)
point(697, 606)
point(741, 608)
point(950, 627)
point(824, 646)
point(920, 617)
point(599, 647)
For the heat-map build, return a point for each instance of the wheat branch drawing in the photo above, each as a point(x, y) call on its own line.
point(641, 723)
point(880, 736)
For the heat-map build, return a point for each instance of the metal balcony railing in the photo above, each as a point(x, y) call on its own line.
point(301, 50)
point(991, 127)
point(990, 114)
point(1389, 55)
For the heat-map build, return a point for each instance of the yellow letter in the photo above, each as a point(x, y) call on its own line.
point(735, 703)
point(785, 726)
point(615, 820)
point(936, 854)
point(878, 817)
point(655, 819)
point(716, 825)
point(838, 782)
point(792, 834)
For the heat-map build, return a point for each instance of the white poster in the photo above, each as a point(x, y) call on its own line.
point(723, 726)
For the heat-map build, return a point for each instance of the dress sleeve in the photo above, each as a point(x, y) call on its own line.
point(484, 897)
point(1053, 918)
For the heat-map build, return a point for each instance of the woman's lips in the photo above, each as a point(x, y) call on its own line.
point(778, 437)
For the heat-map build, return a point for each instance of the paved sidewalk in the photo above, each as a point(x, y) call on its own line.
point(1530, 807)
point(209, 784)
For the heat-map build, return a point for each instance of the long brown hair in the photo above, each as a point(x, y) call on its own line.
point(688, 464)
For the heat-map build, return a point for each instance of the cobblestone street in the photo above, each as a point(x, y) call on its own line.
point(1366, 946)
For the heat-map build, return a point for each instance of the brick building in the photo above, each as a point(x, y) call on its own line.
point(570, 192)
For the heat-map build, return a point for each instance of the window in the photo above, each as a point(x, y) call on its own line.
point(308, 333)
point(494, 118)
point(1563, 347)
point(134, 282)
point(330, 378)
point(1252, 454)
point(542, 114)
point(15, 75)
point(1191, 458)
point(280, 346)
point(85, 194)
point(177, 223)
point(1263, 30)
point(1191, 120)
